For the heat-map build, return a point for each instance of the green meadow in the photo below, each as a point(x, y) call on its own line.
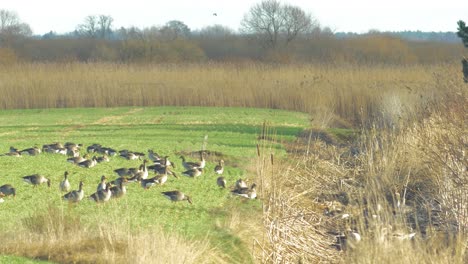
point(231, 134)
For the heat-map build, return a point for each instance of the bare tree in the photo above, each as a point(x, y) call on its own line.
point(105, 26)
point(272, 21)
point(96, 26)
point(10, 24)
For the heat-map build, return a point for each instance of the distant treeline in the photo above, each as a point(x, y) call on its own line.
point(270, 32)
point(321, 47)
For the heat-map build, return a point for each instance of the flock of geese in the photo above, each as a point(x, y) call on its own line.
point(107, 190)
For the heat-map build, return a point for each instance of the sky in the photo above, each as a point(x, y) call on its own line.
point(358, 16)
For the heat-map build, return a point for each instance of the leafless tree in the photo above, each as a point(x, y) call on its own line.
point(273, 22)
point(105, 26)
point(96, 26)
point(10, 24)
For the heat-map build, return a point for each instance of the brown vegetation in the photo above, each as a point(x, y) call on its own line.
point(59, 236)
point(352, 94)
point(403, 190)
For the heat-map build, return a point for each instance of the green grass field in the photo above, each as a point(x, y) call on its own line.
point(231, 132)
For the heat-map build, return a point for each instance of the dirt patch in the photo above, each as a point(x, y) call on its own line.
point(115, 118)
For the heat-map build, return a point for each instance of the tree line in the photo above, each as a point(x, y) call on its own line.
point(270, 31)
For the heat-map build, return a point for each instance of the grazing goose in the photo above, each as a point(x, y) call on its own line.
point(193, 173)
point(93, 148)
point(249, 193)
point(117, 181)
point(8, 190)
point(221, 182)
point(148, 183)
point(102, 196)
point(73, 152)
point(102, 185)
point(126, 172)
point(103, 158)
point(71, 145)
point(88, 163)
point(154, 156)
point(65, 184)
point(76, 160)
point(1, 197)
point(52, 148)
point(75, 195)
point(219, 169)
point(162, 178)
point(193, 165)
point(132, 155)
point(176, 196)
point(31, 151)
point(36, 179)
point(119, 190)
point(240, 184)
point(61, 151)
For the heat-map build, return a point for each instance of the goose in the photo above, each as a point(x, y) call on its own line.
point(93, 148)
point(102, 185)
point(153, 156)
point(61, 151)
point(193, 173)
point(117, 181)
point(8, 190)
point(101, 196)
point(13, 150)
point(1, 197)
point(176, 196)
point(142, 172)
point(12, 154)
point(107, 151)
point(249, 193)
point(88, 163)
point(162, 178)
point(76, 160)
point(148, 183)
point(103, 158)
point(71, 145)
point(132, 155)
point(164, 162)
point(125, 171)
point(36, 179)
point(119, 190)
point(221, 182)
point(73, 152)
point(31, 151)
point(240, 184)
point(65, 184)
point(193, 165)
point(52, 148)
point(219, 169)
point(75, 195)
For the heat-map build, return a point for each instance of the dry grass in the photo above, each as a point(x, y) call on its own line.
point(356, 93)
point(60, 237)
point(393, 183)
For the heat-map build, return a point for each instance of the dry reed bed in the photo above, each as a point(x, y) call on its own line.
point(353, 92)
point(391, 183)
